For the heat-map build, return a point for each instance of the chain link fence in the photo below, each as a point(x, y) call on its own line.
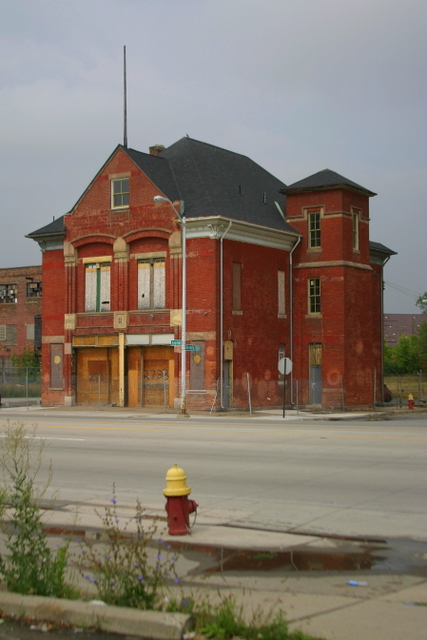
point(401, 386)
point(19, 382)
point(246, 393)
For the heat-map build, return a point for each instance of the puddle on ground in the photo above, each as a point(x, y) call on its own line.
point(397, 556)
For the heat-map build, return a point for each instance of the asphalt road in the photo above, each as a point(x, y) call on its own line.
point(351, 478)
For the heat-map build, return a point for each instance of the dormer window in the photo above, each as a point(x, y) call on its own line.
point(119, 193)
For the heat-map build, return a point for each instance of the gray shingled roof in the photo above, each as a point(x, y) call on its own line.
point(323, 180)
point(212, 182)
point(56, 227)
point(216, 182)
point(381, 248)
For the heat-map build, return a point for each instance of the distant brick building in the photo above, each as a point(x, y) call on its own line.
point(397, 324)
point(20, 310)
point(272, 271)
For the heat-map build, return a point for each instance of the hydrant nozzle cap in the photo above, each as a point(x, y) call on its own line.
point(176, 484)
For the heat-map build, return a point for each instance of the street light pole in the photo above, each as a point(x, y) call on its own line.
point(181, 215)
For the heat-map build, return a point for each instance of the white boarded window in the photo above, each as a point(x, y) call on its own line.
point(151, 283)
point(281, 305)
point(97, 287)
point(30, 332)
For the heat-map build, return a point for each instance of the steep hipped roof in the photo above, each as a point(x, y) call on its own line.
point(216, 182)
point(326, 179)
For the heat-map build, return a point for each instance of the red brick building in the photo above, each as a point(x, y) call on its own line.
point(271, 271)
point(20, 310)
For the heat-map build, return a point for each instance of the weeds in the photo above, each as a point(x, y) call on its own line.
point(29, 567)
point(129, 567)
point(226, 622)
point(123, 567)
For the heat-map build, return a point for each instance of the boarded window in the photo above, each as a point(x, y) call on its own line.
point(56, 366)
point(30, 332)
point(97, 287)
point(151, 283)
point(237, 286)
point(315, 354)
point(281, 293)
point(9, 334)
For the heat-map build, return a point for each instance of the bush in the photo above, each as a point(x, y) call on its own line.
point(29, 567)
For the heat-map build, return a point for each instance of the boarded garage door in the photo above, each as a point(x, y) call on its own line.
point(97, 376)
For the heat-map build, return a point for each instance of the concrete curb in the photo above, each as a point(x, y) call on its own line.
point(124, 621)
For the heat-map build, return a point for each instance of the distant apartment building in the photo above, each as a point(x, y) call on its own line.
point(396, 324)
point(20, 311)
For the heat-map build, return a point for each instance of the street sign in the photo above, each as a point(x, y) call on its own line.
point(192, 347)
point(176, 343)
point(285, 366)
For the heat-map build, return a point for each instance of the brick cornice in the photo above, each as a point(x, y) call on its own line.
point(217, 227)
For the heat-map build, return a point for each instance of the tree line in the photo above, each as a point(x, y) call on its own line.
point(410, 354)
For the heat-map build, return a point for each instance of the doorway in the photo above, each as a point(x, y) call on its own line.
point(315, 364)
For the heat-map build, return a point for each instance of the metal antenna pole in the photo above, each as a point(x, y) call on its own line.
point(125, 106)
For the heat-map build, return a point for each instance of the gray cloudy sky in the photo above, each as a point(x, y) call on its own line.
point(297, 86)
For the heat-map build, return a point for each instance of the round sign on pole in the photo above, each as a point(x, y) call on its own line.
point(285, 366)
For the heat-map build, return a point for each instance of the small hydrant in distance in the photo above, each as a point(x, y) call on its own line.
point(178, 506)
point(410, 401)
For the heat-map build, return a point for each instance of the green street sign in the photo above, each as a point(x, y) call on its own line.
point(176, 343)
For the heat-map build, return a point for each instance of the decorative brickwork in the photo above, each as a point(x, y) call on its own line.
point(309, 287)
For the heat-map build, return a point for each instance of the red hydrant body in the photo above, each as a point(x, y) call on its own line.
point(410, 401)
point(178, 506)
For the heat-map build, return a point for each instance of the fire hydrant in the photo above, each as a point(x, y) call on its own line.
point(410, 401)
point(178, 506)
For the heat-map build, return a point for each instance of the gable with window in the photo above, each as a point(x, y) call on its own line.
point(119, 193)
point(97, 285)
point(151, 283)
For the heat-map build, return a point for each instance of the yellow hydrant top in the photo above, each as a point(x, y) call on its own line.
point(410, 397)
point(176, 484)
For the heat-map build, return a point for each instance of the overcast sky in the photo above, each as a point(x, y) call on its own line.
point(297, 86)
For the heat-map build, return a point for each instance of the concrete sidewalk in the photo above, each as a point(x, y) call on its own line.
point(322, 603)
point(10, 407)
